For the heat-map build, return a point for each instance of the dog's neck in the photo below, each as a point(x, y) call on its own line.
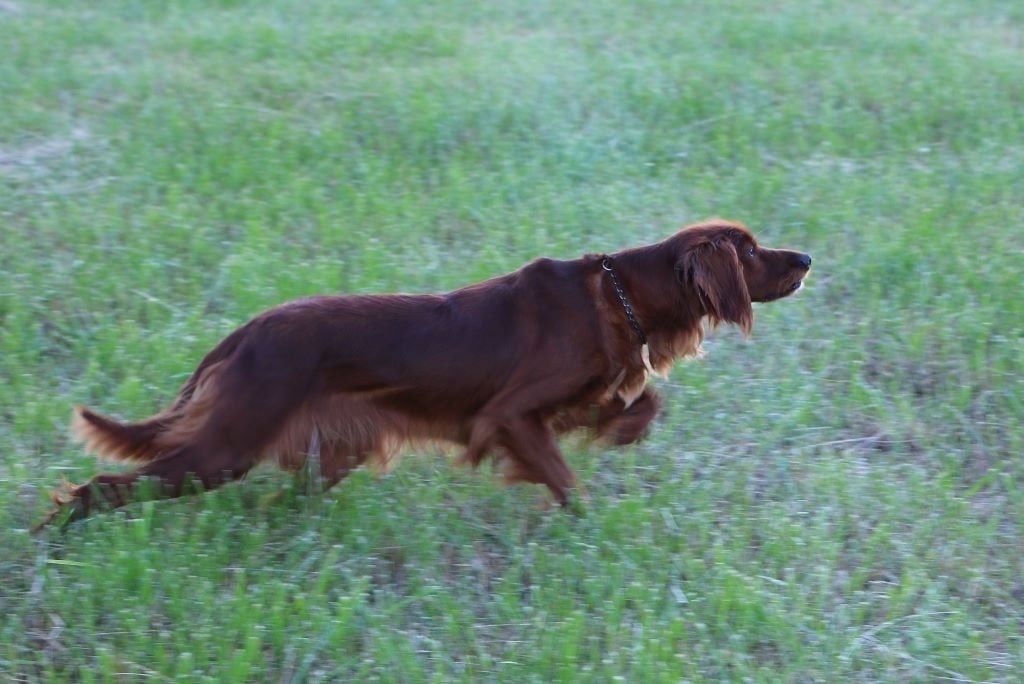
point(672, 324)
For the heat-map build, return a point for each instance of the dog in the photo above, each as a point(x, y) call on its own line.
point(500, 368)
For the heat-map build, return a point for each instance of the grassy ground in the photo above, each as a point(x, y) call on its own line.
point(839, 498)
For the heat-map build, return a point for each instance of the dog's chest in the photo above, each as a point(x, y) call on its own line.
point(627, 385)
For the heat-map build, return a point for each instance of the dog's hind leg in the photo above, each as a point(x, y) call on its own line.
point(184, 471)
point(241, 422)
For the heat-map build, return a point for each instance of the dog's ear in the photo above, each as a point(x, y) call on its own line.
point(714, 272)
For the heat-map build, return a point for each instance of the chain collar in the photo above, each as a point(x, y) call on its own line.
point(606, 264)
point(645, 353)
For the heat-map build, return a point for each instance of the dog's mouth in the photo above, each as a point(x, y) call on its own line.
point(789, 285)
point(793, 287)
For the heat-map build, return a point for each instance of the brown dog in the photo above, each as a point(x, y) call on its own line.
point(501, 367)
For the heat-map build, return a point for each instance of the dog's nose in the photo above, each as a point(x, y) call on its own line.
point(804, 260)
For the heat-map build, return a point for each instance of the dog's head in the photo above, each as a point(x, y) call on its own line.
point(725, 268)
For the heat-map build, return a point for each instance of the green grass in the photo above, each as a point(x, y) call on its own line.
point(838, 499)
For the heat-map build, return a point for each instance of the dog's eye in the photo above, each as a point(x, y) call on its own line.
point(750, 252)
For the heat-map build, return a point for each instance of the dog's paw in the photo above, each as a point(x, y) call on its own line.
point(70, 504)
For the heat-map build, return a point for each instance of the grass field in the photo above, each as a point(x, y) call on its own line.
point(840, 498)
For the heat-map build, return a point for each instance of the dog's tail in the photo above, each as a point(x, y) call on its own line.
point(108, 438)
point(144, 441)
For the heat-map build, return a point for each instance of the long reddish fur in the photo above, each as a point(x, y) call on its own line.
point(498, 368)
